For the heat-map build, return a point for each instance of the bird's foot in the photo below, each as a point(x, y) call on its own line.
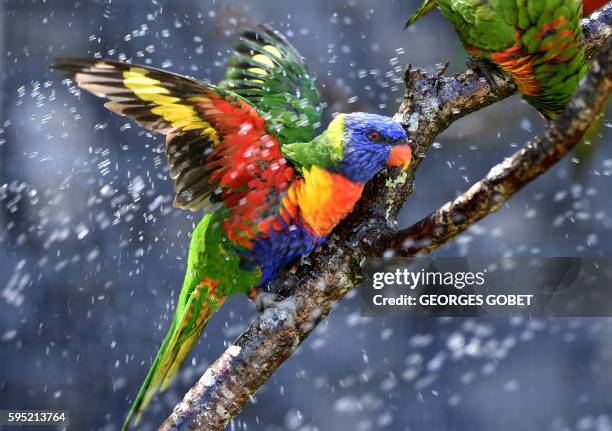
point(265, 300)
point(276, 292)
point(287, 285)
point(486, 69)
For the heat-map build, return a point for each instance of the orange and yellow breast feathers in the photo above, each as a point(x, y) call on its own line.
point(321, 198)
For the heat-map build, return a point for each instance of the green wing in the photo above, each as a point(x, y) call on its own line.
point(484, 24)
point(268, 71)
point(421, 11)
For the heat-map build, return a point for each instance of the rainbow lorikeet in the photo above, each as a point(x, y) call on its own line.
point(246, 151)
point(537, 42)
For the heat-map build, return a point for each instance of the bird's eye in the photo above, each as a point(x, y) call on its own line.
point(374, 136)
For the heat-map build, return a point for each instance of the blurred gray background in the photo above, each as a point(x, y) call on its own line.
point(93, 254)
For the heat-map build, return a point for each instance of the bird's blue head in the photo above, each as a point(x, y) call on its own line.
point(371, 143)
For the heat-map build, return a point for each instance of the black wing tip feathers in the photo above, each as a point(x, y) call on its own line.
point(73, 65)
point(65, 64)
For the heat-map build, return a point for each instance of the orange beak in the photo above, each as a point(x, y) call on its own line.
point(401, 155)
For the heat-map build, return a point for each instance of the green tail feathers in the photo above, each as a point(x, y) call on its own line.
point(421, 11)
point(180, 340)
point(197, 302)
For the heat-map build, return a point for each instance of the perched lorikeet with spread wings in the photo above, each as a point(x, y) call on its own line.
point(247, 152)
point(537, 42)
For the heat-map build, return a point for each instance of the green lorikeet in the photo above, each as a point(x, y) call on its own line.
point(537, 42)
point(246, 151)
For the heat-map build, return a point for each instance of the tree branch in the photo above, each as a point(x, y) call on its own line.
point(509, 176)
point(431, 104)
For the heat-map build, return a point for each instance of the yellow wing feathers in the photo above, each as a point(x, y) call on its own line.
point(170, 108)
point(158, 100)
point(265, 60)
